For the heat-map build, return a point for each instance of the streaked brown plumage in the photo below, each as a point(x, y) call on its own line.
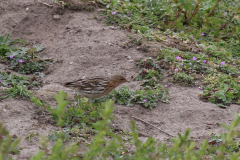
point(94, 87)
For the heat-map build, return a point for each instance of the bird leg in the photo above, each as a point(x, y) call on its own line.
point(89, 102)
point(83, 102)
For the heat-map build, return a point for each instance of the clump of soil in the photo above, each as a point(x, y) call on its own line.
point(80, 4)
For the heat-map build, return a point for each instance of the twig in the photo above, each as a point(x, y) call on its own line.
point(224, 25)
point(58, 2)
point(44, 59)
point(213, 8)
point(45, 3)
point(210, 123)
point(152, 126)
point(100, 10)
point(136, 76)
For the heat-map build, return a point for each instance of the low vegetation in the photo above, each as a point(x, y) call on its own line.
point(210, 26)
point(106, 144)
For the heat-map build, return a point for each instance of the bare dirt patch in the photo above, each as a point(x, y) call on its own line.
point(83, 46)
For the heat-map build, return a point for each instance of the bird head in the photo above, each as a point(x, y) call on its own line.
point(117, 80)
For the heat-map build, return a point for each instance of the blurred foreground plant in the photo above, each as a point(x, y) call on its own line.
point(8, 145)
point(106, 144)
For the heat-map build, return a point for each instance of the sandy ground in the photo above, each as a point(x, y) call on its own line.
point(83, 46)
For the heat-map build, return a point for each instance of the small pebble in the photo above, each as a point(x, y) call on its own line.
point(111, 27)
point(130, 45)
point(56, 17)
point(27, 9)
point(129, 57)
point(71, 63)
point(68, 27)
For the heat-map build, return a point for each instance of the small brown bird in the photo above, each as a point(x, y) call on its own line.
point(94, 87)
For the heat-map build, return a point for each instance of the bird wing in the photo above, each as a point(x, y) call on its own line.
point(93, 85)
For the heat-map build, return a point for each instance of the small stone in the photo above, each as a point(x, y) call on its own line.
point(90, 47)
point(27, 9)
point(131, 60)
point(130, 45)
point(56, 17)
point(68, 27)
point(71, 63)
point(111, 27)
point(129, 57)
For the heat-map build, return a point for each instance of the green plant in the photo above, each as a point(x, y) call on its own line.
point(235, 147)
point(150, 72)
point(58, 135)
point(203, 19)
point(222, 95)
point(76, 121)
point(8, 145)
point(8, 79)
point(149, 77)
point(148, 63)
point(148, 96)
point(184, 79)
point(31, 135)
point(216, 138)
point(212, 25)
point(16, 91)
point(21, 59)
point(108, 145)
point(123, 95)
point(58, 151)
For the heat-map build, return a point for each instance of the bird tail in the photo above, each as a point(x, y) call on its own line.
point(67, 84)
point(59, 83)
